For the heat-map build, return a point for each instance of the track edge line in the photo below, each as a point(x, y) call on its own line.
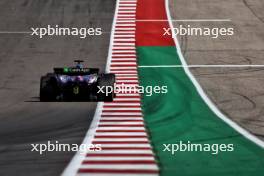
point(75, 163)
point(201, 92)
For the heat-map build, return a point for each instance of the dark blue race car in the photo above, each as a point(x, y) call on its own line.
point(76, 84)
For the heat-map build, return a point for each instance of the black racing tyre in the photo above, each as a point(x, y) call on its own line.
point(48, 91)
point(106, 82)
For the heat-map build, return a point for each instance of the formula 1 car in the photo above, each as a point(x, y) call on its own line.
point(76, 84)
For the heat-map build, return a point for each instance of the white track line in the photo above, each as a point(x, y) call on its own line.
point(118, 104)
point(75, 163)
point(203, 94)
point(127, 166)
point(130, 24)
point(120, 133)
point(199, 66)
point(120, 128)
point(118, 158)
point(120, 140)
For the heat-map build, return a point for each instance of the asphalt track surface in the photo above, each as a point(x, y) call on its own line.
point(23, 59)
point(238, 92)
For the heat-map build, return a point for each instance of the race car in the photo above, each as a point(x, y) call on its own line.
point(76, 84)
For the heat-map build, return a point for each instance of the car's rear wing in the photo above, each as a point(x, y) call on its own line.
point(76, 71)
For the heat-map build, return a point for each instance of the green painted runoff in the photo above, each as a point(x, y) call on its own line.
point(182, 115)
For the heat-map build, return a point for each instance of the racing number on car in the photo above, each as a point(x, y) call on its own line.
point(76, 90)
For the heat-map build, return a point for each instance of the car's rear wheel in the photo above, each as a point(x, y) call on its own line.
point(106, 83)
point(48, 91)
